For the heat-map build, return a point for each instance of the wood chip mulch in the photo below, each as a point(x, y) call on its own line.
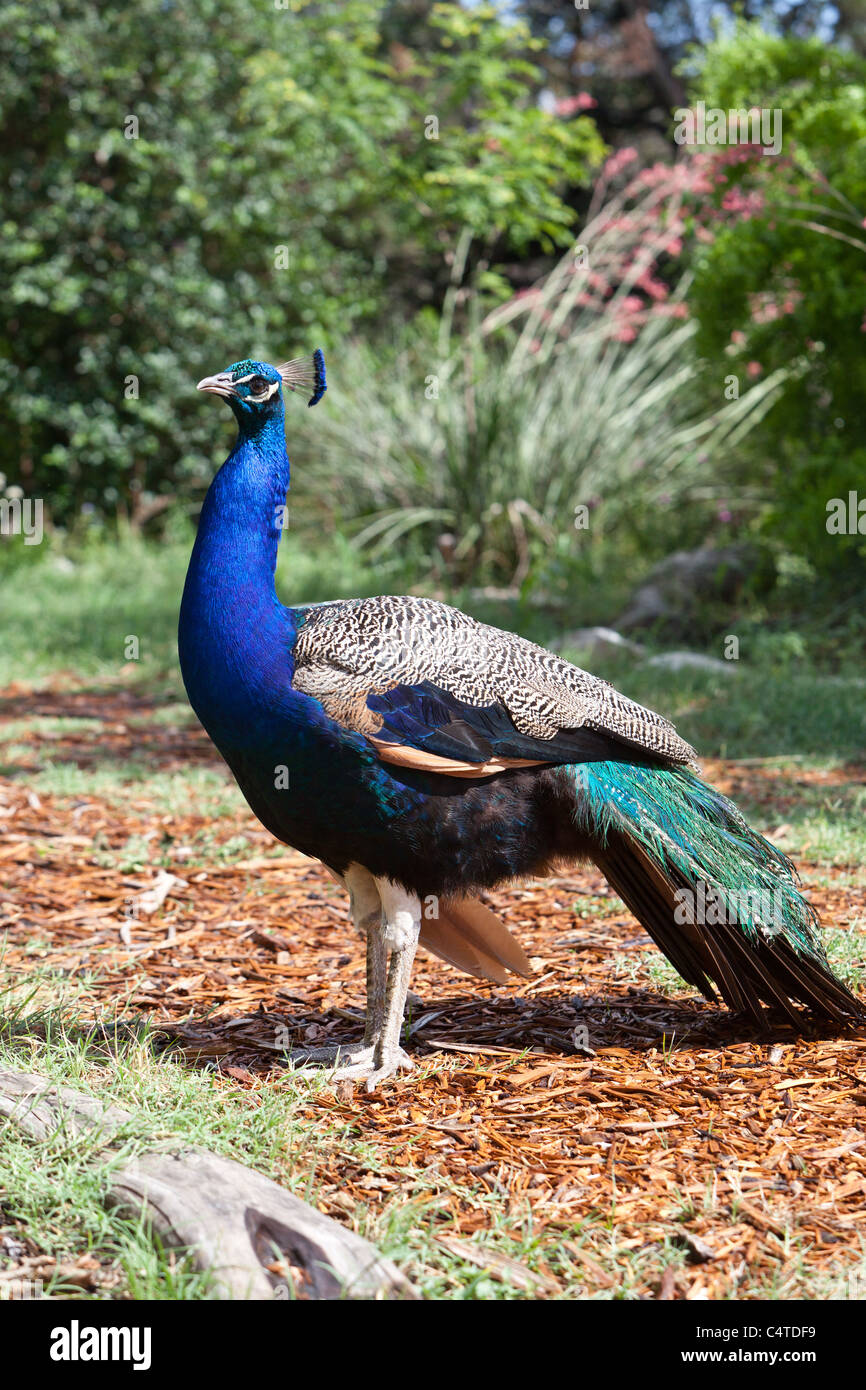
point(585, 1095)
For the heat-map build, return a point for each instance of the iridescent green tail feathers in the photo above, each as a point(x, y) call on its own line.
point(719, 900)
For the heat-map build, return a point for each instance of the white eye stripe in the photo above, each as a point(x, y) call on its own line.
point(261, 395)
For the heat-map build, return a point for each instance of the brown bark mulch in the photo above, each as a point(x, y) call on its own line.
point(580, 1094)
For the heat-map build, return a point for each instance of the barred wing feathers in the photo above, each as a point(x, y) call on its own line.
point(431, 687)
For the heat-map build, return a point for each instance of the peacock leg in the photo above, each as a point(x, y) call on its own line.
point(390, 918)
point(400, 926)
point(355, 1061)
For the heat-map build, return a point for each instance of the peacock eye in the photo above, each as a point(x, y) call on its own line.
point(257, 385)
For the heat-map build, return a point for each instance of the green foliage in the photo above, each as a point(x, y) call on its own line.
point(784, 282)
point(277, 190)
point(530, 438)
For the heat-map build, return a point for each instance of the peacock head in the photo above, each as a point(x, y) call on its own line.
point(254, 389)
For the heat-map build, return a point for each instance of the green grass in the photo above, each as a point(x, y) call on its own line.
point(172, 792)
point(72, 607)
point(827, 824)
point(763, 709)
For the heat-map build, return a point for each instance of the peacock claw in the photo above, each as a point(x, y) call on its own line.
point(390, 1063)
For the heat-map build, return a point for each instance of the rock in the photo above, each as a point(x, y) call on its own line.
point(683, 661)
point(597, 642)
point(677, 587)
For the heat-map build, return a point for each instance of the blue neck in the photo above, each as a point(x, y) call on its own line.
point(235, 637)
point(239, 529)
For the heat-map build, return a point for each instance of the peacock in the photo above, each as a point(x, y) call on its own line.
point(425, 757)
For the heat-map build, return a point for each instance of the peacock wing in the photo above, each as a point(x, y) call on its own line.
point(432, 688)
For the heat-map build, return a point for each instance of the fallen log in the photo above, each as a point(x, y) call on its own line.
point(255, 1239)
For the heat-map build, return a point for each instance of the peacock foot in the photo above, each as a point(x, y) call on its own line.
point(387, 1063)
point(370, 1063)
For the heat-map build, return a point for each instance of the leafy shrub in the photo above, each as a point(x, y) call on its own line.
point(784, 280)
point(188, 184)
point(584, 393)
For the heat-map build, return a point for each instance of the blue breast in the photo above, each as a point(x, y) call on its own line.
point(306, 777)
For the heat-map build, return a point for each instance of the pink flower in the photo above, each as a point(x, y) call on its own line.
point(738, 337)
point(653, 175)
point(618, 161)
point(744, 205)
point(567, 106)
point(754, 369)
point(651, 286)
point(763, 308)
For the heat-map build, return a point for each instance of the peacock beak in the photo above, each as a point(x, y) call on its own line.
point(219, 385)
